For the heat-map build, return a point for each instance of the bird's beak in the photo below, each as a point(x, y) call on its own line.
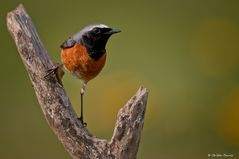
point(113, 31)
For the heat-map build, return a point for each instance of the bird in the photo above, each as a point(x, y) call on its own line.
point(84, 55)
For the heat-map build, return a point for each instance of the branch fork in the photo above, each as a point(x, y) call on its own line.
point(56, 106)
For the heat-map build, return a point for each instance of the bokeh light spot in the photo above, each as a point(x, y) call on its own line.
point(229, 117)
point(215, 46)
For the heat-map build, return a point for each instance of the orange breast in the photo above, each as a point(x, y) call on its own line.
point(80, 64)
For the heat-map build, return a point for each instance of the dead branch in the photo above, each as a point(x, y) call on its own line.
point(57, 108)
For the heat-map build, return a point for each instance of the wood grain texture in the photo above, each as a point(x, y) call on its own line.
point(57, 109)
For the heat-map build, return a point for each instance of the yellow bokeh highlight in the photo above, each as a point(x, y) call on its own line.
point(228, 119)
point(215, 46)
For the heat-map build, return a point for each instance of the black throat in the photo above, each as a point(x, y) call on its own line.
point(95, 46)
point(96, 53)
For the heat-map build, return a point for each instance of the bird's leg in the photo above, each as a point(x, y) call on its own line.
point(58, 71)
point(82, 91)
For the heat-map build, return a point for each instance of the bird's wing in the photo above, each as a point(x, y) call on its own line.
point(70, 42)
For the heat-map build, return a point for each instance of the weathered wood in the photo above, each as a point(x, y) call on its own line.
point(57, 108)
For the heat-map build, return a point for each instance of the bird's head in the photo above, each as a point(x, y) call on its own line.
point(94, 38)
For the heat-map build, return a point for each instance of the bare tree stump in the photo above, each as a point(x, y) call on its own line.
point(57, 108)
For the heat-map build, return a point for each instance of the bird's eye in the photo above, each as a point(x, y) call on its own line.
point(96, 30)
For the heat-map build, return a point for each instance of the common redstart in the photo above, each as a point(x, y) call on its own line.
point(84, 54)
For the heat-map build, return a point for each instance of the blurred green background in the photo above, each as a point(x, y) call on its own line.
point(185, 52)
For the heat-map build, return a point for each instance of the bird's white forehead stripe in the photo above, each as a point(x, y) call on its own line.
point(102, 26)
point(97, 25)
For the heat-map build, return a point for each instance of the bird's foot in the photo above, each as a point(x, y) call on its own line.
point(57, 70)
point(81, 120)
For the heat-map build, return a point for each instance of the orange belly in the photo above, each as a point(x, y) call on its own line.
point(79, 63)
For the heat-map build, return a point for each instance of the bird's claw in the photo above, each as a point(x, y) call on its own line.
point(82, 122)
point(57, 70)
